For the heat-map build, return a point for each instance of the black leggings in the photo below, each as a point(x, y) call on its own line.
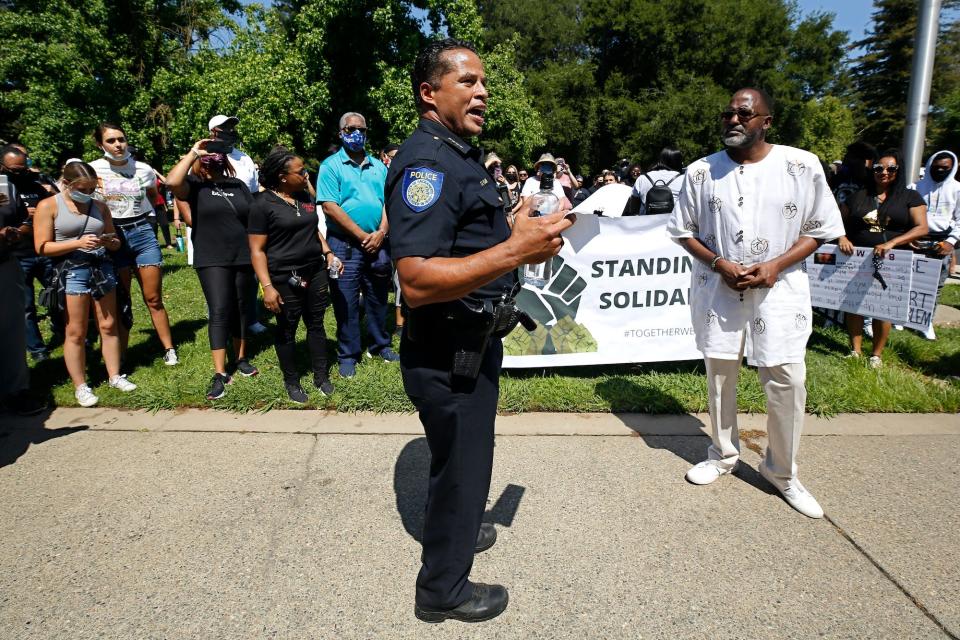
point(308, 303)
point(225, 289)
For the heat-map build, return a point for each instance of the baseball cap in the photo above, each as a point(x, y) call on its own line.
point(219, 120)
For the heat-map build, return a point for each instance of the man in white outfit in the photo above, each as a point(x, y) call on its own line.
point(750, 215)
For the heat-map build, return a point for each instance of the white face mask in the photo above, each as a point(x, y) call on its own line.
point(121, 158)
point(80, 197)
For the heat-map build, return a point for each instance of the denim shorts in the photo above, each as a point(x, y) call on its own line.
point(138, 247)
point(80, 279)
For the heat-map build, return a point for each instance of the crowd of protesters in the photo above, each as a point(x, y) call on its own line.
point(250, 229)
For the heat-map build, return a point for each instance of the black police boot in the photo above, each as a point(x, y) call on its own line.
point(487, 602)
point(486, 538)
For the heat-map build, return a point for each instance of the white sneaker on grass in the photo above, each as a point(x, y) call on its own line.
point(170, 357)
point(120, 382)
point(875, 362)
point(708, 471)
point(85, 397)
point(794, 493)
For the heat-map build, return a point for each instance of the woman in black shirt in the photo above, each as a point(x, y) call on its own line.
point(884, 215)
point(219, 206)
point(289, 256)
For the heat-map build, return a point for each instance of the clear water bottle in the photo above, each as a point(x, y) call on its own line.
point(544, 203)
point(333, 266)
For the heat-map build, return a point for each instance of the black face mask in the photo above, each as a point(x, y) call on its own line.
point(939, 174)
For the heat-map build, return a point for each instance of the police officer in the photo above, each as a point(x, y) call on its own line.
point(456, 257)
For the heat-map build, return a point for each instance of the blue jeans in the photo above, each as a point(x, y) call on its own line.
point(40, 269)
point(140, 247)
point(361, 272)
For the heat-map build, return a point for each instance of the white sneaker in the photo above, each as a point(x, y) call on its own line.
point(170, 357)
point(256, 329)
point(84, 396)
point(852, 354)
point(708, 471)
point(794, 493)
point(875, 362)
point(120, 382)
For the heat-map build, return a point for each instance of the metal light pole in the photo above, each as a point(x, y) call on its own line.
point(918, 102)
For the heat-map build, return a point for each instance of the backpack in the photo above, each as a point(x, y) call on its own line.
point(659, 198)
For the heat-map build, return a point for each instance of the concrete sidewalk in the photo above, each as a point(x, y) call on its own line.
point(200, 524)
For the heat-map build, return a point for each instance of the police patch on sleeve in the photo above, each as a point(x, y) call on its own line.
point(421, 188)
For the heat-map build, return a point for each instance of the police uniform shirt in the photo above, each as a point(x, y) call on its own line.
point(441, 202)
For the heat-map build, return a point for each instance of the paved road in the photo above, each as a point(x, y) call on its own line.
point(125, 525)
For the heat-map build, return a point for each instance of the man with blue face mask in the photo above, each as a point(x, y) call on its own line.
point(350, 187)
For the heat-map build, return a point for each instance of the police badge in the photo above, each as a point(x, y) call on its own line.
point(421, 188)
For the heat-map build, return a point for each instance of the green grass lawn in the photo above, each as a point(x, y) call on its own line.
point(918, 375)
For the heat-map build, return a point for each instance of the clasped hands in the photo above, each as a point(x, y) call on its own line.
point(738, 277)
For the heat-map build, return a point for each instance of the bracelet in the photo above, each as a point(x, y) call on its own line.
point(327, 251)
point(713, 263)
point(264, 286)
point(196, 153)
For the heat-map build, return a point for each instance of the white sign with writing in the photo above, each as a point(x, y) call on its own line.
point(925, 277)
point(857, 284)
point(619, 293)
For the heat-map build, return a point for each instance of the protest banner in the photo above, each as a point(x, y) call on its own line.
point(901, 287)
point(924, 278)
point(619, 293)
point(859, 284)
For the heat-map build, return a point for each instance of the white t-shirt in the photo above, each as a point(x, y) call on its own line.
point(643, 185)
point(749, 214)
point(246, 169)
point(532, 185)
point(125, 187)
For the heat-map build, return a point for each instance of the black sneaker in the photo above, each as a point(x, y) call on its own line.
point(324, 386)
point(246, 369)
point(218, 386)
point(23, 404)
point(39, 356)
point(296, 393)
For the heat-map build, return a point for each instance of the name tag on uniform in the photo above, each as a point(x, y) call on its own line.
point(421, 188)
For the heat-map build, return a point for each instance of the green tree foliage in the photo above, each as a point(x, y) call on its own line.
point(624, 78)
point(882, 74)
point(67, 66)
point(826, 127)
point(160, 68)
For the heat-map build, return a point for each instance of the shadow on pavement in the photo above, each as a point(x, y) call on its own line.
point(18, 434)
point(410, 477)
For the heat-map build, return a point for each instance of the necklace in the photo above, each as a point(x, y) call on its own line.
point(292, 202)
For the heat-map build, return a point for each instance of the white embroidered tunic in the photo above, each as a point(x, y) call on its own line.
point(748, 214)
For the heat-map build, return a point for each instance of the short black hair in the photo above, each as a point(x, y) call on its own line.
point(13, 150)
point(943, 155)
point(765, 97)
point(861, 151)
point(274, 166)
point(393, 146)
point(431, 64)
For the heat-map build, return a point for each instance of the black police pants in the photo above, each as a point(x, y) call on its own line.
point(458, 418)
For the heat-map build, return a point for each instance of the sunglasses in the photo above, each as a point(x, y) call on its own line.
point(352, 129)
point(880, 169)
point(744, 115)
point(302, 173)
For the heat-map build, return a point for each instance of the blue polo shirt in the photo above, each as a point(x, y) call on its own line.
point(358, 189)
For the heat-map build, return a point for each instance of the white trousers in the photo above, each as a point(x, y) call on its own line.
point(785, 388)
